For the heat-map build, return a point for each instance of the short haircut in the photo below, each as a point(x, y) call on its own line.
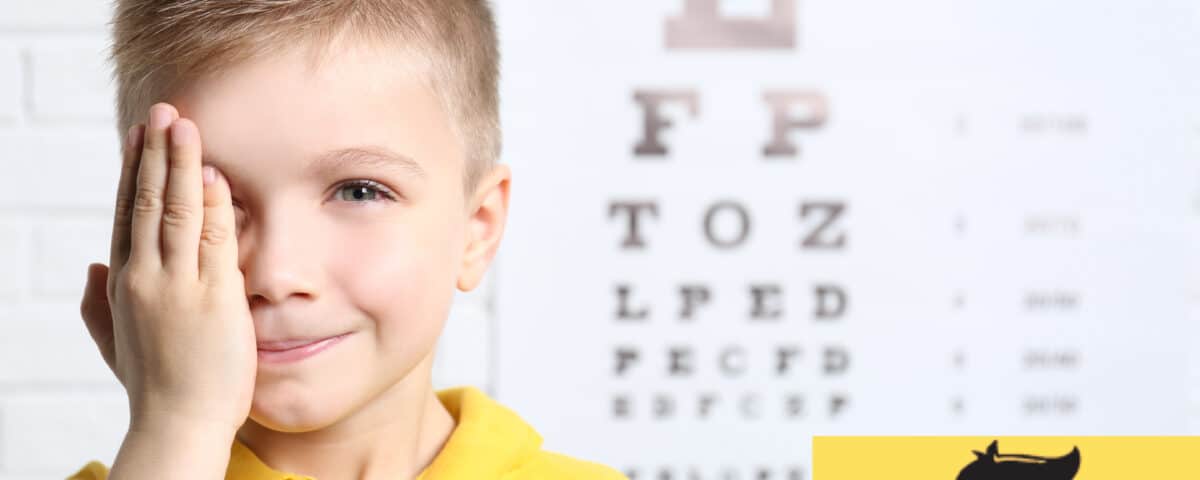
point(158, 45)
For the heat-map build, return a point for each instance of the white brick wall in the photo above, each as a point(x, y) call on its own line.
point(59, 163)
point(46, 345)
point(54, 16)
point(51, 427)
point(13, 241)
point(70, 82)
point(10, 85)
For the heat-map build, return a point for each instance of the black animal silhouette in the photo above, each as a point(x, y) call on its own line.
point(1013, 466)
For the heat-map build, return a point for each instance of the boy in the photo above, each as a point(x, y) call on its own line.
point(304, 184)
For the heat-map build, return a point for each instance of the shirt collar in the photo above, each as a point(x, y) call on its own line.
point(488, 440)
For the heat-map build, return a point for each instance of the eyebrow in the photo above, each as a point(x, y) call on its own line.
point(371, 156)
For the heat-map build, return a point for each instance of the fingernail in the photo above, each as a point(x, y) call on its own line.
point(160, 117)
point(210, 174)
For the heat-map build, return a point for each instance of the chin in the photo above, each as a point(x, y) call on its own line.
point(289, 411)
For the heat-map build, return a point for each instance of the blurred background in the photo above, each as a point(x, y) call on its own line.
point(735, 224)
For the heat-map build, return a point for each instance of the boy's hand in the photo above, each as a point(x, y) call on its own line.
point(171, 316)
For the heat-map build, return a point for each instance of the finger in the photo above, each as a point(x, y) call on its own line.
point(123, 215)
point(183, 201)
point(218, 236)
point(146, 242)
point(94, 308)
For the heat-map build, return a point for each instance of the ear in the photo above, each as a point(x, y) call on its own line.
point(992, 449)
point(487, 214)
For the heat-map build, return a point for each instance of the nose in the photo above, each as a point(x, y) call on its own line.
point(275, 258)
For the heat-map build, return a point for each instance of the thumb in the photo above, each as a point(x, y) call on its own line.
point(97, 316)
point(218, 242)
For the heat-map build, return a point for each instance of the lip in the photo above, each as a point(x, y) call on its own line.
point(299, 352)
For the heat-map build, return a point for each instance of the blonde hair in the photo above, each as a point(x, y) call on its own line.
point(158, 45)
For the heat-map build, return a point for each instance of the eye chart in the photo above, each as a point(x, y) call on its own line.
point(735, 225)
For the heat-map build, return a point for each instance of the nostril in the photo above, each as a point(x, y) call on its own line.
point(258, 300)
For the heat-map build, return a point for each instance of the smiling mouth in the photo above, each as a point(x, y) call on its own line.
point(281, 345)
point(295, 350)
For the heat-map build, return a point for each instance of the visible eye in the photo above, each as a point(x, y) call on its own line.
point(365, 191)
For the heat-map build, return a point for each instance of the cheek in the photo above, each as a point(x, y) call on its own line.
point(400, 276)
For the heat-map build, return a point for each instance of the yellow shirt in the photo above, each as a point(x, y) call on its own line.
point(489, 441)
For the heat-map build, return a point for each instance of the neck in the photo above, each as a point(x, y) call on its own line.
point(395, 435)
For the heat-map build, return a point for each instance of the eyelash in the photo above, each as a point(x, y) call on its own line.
point(373, 185)
point(379, 189)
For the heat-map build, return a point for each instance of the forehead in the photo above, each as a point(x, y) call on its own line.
point(283, 111)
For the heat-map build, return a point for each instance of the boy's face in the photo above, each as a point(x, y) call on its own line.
point(322, 257)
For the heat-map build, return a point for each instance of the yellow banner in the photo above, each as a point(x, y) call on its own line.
point(1001, 458)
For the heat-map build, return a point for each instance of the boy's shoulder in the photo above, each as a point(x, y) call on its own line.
point(94, 470)
point(491, 440)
